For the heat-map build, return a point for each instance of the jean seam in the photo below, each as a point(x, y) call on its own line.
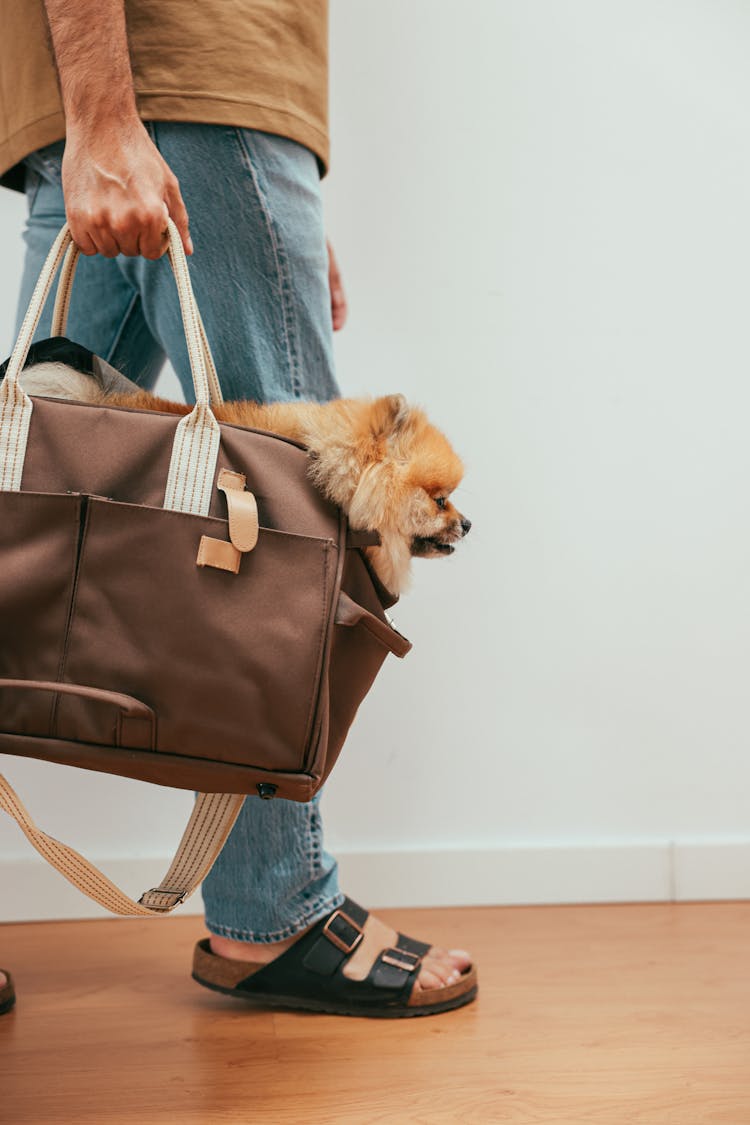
point(48, 167)
point(54, 170)
point(312, 836)
point(280, 261)
point(118, 334)
point(32, 196)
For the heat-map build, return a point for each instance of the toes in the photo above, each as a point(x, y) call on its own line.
point(461, 959)
point(428, 979)
point(457, 958)
point(439, 970)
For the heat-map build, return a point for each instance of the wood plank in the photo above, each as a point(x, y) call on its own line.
point(619, 1015)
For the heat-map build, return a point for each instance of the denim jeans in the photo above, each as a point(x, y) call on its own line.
point(260, 275)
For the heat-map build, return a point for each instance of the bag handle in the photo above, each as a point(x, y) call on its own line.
point(196, 442)
point(62, 309)
point(191, 474)
point(348, 612)
point(136, 722)
point(128, 705)
point(207, 829)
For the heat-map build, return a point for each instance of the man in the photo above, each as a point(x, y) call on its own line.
point(217, 113)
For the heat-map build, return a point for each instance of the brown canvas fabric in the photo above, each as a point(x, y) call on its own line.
point(258, 64)
point(231, 678)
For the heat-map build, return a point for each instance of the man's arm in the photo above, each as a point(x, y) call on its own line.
point(118, 189)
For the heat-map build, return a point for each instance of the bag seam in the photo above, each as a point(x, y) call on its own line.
point(317, 678)
point(85, 517)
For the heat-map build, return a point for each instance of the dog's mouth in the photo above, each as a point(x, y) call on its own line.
point(425, 548)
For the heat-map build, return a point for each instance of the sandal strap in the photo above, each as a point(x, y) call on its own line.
point(410, 945)
point(395, 968)
point(337, 939)
point(321, 953)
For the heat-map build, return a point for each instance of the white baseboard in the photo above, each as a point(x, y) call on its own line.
point(650, 872)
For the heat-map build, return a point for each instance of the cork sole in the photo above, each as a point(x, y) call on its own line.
point(460, 994)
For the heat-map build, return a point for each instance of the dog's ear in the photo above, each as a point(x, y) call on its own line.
point(389, 415)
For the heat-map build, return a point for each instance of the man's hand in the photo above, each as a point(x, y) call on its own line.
point(339, 307)
point(118, 190)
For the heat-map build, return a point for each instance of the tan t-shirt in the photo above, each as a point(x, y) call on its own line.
point(259, 64)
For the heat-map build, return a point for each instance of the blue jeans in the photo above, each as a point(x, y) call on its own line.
point(260, 275)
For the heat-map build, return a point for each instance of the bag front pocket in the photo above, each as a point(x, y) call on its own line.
point(39, 538)
point(229, 663)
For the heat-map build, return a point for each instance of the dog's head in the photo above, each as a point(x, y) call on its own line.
point(407, 471)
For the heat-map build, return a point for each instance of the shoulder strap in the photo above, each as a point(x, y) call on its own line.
point(209, 825)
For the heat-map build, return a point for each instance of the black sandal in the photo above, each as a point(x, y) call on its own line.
point(7, 993)
point(308, 976)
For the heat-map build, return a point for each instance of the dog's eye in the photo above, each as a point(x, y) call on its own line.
point(441, 501)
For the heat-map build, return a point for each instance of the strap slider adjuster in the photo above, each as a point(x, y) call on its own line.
point(177, 897)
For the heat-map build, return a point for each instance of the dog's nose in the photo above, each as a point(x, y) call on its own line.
point(466, 526)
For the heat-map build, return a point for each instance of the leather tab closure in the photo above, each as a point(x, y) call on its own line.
point(218, 553)
point(228, 478)
point(242, 509)
point(242, 513)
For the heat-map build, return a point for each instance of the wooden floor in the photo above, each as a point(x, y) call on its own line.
point(629, 1015)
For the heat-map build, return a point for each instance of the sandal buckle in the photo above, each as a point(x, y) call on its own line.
point(401, 959)
point(339, 942)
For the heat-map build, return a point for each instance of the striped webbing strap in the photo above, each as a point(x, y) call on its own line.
point(209, 825)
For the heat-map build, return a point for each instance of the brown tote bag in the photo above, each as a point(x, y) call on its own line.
point(178, 604)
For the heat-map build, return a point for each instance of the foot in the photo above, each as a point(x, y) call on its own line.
point(7, 993)
point(439, 968)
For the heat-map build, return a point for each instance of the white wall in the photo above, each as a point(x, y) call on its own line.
point(542, 212)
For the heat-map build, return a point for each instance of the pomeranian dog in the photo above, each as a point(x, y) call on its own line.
point(380, 460)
